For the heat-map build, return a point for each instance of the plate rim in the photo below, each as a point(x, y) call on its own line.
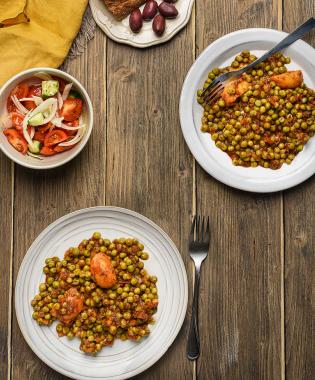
point(156, 41)
point(195, 146)
point(19, 280)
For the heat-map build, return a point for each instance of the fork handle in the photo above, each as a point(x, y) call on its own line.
point(193, 344)
point(288, 40)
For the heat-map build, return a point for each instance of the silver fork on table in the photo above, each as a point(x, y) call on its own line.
point(215, 89)
point(199, 240)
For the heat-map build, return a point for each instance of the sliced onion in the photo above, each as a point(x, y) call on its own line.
point(37, 100)
point(69, 128)
point(66, 91)
point(34, 155)
point(57, 121)
point(24, 126)
point(32, 132)
point(19, 105)
point(75, 139)
point(26, 99)
point(42, 75)
point(60, 100)
point(44, 106)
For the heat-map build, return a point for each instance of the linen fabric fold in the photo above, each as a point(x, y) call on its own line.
point(42, 38)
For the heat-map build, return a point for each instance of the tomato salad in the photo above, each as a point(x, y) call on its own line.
point(44, 116)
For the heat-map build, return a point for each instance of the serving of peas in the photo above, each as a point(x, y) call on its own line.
point(98, 292)
point(269, 123)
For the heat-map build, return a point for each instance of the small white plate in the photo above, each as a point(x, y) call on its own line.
point(213, 160)
point(119, 31)
point(124, 359)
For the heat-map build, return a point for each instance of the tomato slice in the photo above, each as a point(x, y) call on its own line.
point(16, 140)
point(74, 123)
point(59, 149)
point(39, 136)
point(71, 109)
point(20, 91)
point(46, 151)
point(17, 119)
point(54, 137)
point(33, 90)
point(44, 128)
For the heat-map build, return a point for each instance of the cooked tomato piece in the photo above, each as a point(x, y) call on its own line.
point(17, 119)
point(59, 149)
point(72, 302)
point(47, 151)
point(16, 140)
point(71, 109)
point(102, 270)
point(54, 137)
point(39, 136)
point(20, 91)
point(33, 90)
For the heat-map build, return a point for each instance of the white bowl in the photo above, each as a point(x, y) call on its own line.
point(60, 158)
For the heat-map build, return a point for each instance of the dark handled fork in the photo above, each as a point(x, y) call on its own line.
point(215, 89)
point(199, 240)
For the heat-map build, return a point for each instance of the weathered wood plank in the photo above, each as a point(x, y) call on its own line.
point(40, 198)
point(6, 198)
point(150, 169)
point(240, 320)
point(299, 223)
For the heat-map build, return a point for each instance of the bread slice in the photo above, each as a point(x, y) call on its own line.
point(122, 8)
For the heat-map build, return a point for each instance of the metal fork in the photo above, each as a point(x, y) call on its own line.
point(215, 89)
point(199, 240)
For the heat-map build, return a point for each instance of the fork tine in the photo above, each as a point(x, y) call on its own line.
point(210, 90)
point(192, 230)
point(197, 227)
point(207, 232)
point(214, 93)
point(203, 229)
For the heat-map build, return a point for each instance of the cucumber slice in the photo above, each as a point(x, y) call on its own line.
point(49, 88)
point(36, 120)
point(34, 147)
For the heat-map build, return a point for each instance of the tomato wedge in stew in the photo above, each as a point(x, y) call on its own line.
point(47, 151)
point(33, 90)
point(54, 137)
point(16, 140)
point(71, 109)
point(20, 92)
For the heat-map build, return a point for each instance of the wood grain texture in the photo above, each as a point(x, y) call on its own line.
point(149, 166)
point(299, 227)
point(40, 198)
point(241, 279)
point(7, 188)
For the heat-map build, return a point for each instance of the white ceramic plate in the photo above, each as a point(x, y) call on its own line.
point(124, 359)
point(213, 160)
point(119, 31)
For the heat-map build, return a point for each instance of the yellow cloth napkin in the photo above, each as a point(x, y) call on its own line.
point(43, 41)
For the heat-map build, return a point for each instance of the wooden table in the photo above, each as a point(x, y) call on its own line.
point(255, 313)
